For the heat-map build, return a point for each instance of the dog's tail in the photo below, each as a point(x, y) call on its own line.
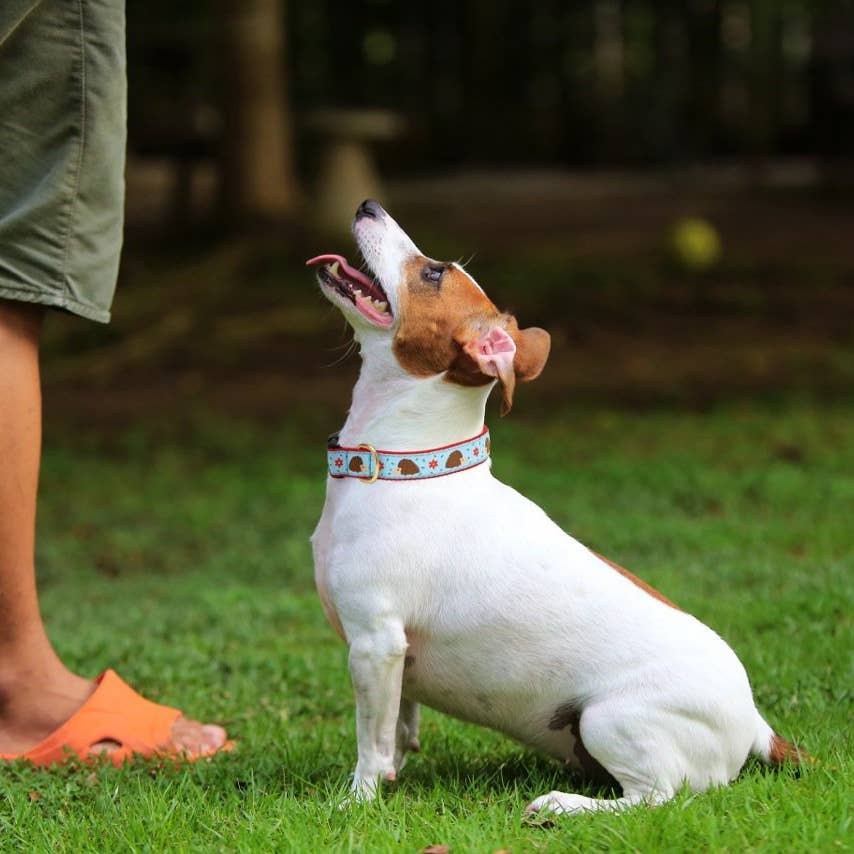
point(774, 749)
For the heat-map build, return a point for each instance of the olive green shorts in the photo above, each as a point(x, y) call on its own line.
point(63, 106)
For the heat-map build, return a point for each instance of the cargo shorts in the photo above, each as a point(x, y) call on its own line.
point(63, 117)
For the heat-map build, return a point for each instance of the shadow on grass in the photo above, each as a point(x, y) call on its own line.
point(523, 771)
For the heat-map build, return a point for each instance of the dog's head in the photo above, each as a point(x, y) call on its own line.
point(437, 318)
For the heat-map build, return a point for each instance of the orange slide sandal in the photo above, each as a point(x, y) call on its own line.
point(115, 713)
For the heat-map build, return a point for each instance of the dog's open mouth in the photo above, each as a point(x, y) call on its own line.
point(364, 292)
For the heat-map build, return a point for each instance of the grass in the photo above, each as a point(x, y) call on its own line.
point(178, 554)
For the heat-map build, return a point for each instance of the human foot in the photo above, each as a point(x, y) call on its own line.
point(43, 720)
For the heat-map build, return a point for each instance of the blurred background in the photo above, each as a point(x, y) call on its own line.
point(666, 186)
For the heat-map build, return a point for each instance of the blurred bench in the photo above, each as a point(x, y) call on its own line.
point(348, 172)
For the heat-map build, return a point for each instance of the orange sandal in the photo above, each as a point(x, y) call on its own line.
point(114, 712)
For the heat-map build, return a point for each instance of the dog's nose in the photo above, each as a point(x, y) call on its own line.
point(369, 208)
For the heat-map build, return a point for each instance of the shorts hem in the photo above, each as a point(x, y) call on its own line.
point(57, 300)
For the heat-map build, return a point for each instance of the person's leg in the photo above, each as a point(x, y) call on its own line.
point(62, 134)
point(37, 692)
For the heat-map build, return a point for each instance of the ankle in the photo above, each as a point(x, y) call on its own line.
point(31, 709)
point(35, 701)
point(32, 670)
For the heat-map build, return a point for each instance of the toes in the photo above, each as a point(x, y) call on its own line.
point(536, 805)
point(552, 803)
point(360, 792)
point(214, 736)
point(197, 739)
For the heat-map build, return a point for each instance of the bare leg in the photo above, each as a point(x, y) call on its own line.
point(37, 692)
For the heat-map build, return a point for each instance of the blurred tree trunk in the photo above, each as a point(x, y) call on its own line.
point(256, 160)
point(704, 79)
point(765, 72)
point(608, 56)
point(482, 74)
point(832, 92)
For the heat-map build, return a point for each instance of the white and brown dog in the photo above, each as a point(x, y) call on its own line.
point(465, 596)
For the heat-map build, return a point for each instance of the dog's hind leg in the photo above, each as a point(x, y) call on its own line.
point(636, 756)
point(568, 803)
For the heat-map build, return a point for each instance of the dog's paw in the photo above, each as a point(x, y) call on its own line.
point(367, 788)
point(406, 742)
point(355, 799)
point(361, 792)
point(402, 750)
point(557, 803)
point(350, 801)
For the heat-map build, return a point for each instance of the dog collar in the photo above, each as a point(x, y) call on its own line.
point(368, 464)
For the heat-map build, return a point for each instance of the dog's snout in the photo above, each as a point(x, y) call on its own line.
point(369, 208)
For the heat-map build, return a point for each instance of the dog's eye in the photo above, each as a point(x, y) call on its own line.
point(433, 273)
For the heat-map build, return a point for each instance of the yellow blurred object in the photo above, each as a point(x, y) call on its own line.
point(695, 243)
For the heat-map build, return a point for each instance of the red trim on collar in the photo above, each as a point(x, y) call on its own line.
point(412, 453)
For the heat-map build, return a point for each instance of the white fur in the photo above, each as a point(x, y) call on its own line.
point(502, 617)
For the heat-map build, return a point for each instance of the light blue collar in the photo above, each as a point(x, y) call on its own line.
point(368, 464)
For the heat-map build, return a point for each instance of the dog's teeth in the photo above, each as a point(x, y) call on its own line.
point(357, 292)
point(333, 268)
point(381, 306)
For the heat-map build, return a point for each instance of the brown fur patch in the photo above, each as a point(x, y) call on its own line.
point(784, 751)
point(438, 320)
point(564, 716)
point(429, 317)
point(568, 715)
point(639, 582)
point(454, 460)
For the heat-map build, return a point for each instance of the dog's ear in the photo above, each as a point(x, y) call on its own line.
point(532, 351)
point(504, 351)
point(494, 353)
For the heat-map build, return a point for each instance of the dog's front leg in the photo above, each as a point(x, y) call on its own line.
point(407, 732)
point(376, 668)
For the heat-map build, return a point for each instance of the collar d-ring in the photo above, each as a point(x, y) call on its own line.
point(376, 463)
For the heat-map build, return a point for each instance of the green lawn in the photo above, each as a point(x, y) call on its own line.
point(178, 554)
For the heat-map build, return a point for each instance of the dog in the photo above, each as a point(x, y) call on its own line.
point(454, 591)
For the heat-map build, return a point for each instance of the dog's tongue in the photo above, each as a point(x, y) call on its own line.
point(348, 271)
